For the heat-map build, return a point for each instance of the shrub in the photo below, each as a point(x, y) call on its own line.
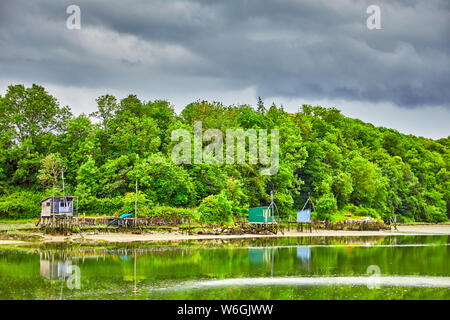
point(102, 206)
point(216, 208)
point(350, 208)
point(143, 204)
point(21, 205)
point(325, 206)
point(171, 212)
point(367, 212)
point(434, 214)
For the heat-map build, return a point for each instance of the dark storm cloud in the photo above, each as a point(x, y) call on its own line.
point(314, 49)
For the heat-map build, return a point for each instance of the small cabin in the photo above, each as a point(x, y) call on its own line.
point(57, 206)
point(304, 216)
point(261, 215)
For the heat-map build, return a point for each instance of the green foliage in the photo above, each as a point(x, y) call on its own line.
point(20, 205)
point(164, 182)
point(325, 206)
point(171, 212)
point(30, 112)
point(435, 214)
point(143, 204)
point(367, 212)
point(51, 170)
point(343, 164)
point(216, 208)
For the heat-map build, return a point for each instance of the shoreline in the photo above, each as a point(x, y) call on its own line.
point(166, 236)
point(151, 237)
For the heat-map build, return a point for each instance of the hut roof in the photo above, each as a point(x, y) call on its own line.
point(67, 198)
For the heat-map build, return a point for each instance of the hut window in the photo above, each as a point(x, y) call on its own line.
point(48, 204)
point(62, 204)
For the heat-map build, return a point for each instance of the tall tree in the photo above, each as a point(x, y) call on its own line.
point(52, 167)
point(31, 112)
point(261, 108)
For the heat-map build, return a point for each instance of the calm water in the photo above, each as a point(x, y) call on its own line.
point(410, 267)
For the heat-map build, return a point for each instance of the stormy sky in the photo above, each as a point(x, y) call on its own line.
point(290, 52)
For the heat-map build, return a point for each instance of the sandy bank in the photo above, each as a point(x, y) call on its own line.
point(164, 236)
point(10, 242)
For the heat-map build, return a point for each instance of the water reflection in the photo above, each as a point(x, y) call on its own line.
point(52, 268)
point(304, 253)
point(261, 256)
point(138, 270)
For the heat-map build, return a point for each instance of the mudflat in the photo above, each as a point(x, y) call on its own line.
point(443, 229)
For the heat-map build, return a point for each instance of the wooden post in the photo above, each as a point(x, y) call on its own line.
point(53, 212)
point(135, 256)
point(135, 206)
point(189, 225)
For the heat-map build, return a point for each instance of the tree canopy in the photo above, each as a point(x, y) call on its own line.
point(343, 164)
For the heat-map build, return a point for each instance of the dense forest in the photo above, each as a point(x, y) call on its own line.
point(343, 164)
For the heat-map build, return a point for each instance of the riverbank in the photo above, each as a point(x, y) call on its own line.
point(176, 236)
point(162, 236)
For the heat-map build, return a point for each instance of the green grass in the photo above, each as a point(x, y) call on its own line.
point(18, 221)
point(18, 226)
point(339, 216)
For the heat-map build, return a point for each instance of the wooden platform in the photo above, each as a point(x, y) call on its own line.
point(61, 220)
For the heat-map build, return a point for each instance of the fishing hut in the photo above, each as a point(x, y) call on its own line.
point(56, 208)
point(304, 217)
point(263, 218)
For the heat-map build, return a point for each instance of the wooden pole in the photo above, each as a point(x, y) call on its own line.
point(53, 210)
point(135, 205)
point(135, 256)
point(189, 225)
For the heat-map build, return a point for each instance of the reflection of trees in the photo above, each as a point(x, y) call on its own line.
point(111, 271)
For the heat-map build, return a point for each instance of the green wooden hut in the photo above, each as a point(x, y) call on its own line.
point(262, 215)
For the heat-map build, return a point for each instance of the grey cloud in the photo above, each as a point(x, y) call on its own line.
point(313, 49)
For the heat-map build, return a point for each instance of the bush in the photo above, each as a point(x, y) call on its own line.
point(350, 208)
point(102, 206)
point(404, 219)
point(367, 212)
point(434, 214)
point(21, 205)
point(325, 206)
point(171, 212)
point(216, 208)
point(143, 204)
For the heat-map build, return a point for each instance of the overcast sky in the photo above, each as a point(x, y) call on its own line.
point(288, 52)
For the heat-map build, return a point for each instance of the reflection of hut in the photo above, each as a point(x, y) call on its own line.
point(55, 270)
point(304, 253)
point(260, 255)
point(57, 206)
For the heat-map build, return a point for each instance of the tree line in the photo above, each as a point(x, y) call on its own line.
point(343, 164)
